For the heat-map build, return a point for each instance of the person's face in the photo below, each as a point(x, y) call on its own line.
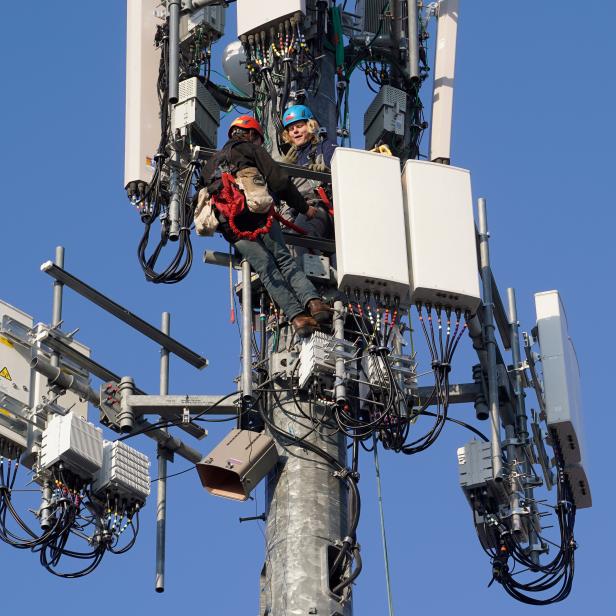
point(299, 133)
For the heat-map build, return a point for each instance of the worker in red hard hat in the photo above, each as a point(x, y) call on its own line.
point(240, 182)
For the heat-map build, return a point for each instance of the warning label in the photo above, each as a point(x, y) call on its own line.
point(5, 374)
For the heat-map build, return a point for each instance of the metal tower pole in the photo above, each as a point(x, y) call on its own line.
point(58, 288)
point(522, 424)
point(306, 502)
point(162, 455)
point(490, 340)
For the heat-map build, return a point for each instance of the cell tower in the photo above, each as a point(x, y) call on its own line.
point(400, 252)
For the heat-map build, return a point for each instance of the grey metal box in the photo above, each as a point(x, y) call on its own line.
point(198, 110)
point(237, 464)
point(375, 18)
point(475, 465)
point(316, 266)
point(212, 18)
point(385, 116)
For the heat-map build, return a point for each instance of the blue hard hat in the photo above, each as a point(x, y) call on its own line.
point(295, 114)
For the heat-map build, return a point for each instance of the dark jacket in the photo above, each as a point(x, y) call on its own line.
point(242, 154)
point(311, 152)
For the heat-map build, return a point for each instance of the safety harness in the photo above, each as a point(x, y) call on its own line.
point(230, 201)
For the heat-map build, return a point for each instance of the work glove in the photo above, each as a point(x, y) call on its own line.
point(290, 158)
point(321, 167)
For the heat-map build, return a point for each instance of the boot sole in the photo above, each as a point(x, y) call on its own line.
point(306, 331)
point(321, 317)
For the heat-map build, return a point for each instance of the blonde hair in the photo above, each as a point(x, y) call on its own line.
point(313, 129)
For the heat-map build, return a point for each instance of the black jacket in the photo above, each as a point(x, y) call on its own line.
point(242, 154)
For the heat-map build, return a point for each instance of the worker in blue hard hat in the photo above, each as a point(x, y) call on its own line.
point(308, 147)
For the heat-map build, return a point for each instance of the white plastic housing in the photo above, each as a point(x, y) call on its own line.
point(369, 222)
point(254, 15)
point(73, 441)
point(440, 227)
point(125, 472)
point(142, 132)
point(15, 385)
point(15, 371)
point(316, 358)
point(444, 71)
point(561, 376)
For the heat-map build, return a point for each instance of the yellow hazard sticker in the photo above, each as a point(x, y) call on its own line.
point(5, 412)
point(6, 342)
point(5, 374)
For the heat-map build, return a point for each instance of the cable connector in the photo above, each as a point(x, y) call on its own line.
point(346, 473)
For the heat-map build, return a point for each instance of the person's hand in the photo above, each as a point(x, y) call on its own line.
point(290, 158)
point(311, 212)
point(321, 167)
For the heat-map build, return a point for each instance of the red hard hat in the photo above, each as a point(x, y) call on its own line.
point(246, 122)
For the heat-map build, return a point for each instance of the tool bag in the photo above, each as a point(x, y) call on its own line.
point(205, 219)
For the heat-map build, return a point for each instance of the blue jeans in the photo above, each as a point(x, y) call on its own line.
point(284, 280)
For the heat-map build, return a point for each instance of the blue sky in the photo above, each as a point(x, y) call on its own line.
point(534, 123)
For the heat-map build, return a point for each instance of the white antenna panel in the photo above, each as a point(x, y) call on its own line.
point(441, 235)
point(253, 15)
point(561, 376)
point(142, 131)
point(369, 222)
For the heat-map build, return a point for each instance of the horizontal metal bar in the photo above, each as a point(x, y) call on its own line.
point(172, 345)
point(461, 393)
point(54, 340)
point(213, 257)
point(328, 246)
point(166, 405)
point(295, 171)
point(165, 440)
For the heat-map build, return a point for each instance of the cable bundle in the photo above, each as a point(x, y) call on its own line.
point(557, 573)
point(70, 514)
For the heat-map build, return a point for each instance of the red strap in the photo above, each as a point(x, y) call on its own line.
point(230, 202)
point(323, 196)
point(287, 223)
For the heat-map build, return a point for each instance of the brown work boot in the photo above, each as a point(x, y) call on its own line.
point(319, 310)
point(304, 325)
